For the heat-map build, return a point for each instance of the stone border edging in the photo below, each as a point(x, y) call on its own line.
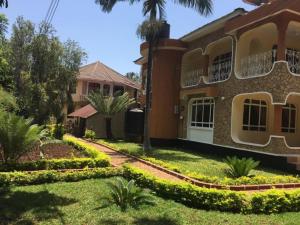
point(258, 187)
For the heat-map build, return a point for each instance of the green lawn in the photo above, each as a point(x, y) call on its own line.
point(81, 203)
point(187, 162)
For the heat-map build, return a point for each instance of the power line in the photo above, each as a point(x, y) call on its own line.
point(54, 11)
point(51, 11)
point(48, 12)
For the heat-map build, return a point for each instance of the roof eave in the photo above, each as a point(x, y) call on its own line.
point(214, 25)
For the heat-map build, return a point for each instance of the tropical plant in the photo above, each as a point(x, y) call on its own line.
point(90, 134)
point(149, 31)
point(240, 167)
point(7, 101)
point(125, 194)
point(108, 106)
point(17, 136)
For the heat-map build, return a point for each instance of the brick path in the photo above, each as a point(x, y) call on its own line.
point(118, 159)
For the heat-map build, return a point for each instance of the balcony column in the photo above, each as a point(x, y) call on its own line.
point(206, 65)
point(111, 90)
point(282, 26)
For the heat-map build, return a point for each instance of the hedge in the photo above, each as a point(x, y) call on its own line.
point(56, 164)
point(51, 176)
point(272, 201)
point(85, 148)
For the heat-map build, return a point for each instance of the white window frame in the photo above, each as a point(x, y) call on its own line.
point(212, 106)
point(260, 105)
point(290, 107)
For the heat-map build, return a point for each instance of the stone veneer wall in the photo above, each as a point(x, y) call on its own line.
point(279, 83)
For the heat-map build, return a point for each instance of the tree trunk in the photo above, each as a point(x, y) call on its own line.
point(109, 134)
point(147, 142)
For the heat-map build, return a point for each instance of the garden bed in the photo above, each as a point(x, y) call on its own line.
point(73, 154)
point(52, 151)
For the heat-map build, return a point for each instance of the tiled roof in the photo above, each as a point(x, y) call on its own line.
point(101, 73)
point(84, 112)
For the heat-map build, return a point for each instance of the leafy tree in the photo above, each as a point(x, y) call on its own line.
point(133, 76)
point(5, 69)
point(125, 194)
point(44, 69)
point(110, 106)
point(17, 136)
point(154, 10)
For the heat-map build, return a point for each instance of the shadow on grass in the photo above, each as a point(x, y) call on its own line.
point(42, 205)
point(180, 155)
point(155, 221)
point(141, 221)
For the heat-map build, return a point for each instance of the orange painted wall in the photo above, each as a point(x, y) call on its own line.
point(165, 94)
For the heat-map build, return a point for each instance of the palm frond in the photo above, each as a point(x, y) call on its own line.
point(108, 5)
point(4, 3)
point(17, 135)
point(125, 194)
point(240, 167)
point(108, 106)
point(204, 7)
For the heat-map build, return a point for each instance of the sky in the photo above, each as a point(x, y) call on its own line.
point(111, 38)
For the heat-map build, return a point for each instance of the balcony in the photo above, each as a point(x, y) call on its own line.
point(257, 64)
point(192, 78)
point(293, 60)
point(221, 70)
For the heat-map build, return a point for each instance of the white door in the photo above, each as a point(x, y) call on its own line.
point(201, 120)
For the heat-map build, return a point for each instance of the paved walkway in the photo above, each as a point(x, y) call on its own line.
point(118, 159)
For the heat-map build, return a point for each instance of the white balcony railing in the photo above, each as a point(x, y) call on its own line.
point(192, 78)
point(258, 64)
point(219, 72)
point(293, 59)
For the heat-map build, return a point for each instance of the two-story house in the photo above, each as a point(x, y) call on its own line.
point(99, 77)
point(234, 82)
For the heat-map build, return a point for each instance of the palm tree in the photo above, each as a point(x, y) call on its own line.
point(109, 106)
point(149, 30)
point(17, 136)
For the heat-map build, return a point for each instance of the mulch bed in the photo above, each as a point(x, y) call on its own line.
point(52, 151)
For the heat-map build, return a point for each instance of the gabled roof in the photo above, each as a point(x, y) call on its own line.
point(84, 112)
point(98, 72)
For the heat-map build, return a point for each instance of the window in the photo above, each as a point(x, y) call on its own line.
point(288, 122)
point(255, 115)
point(221, 67)
point(203, 113)
point(106, 90)
point(118, 89)
point(93, 87)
